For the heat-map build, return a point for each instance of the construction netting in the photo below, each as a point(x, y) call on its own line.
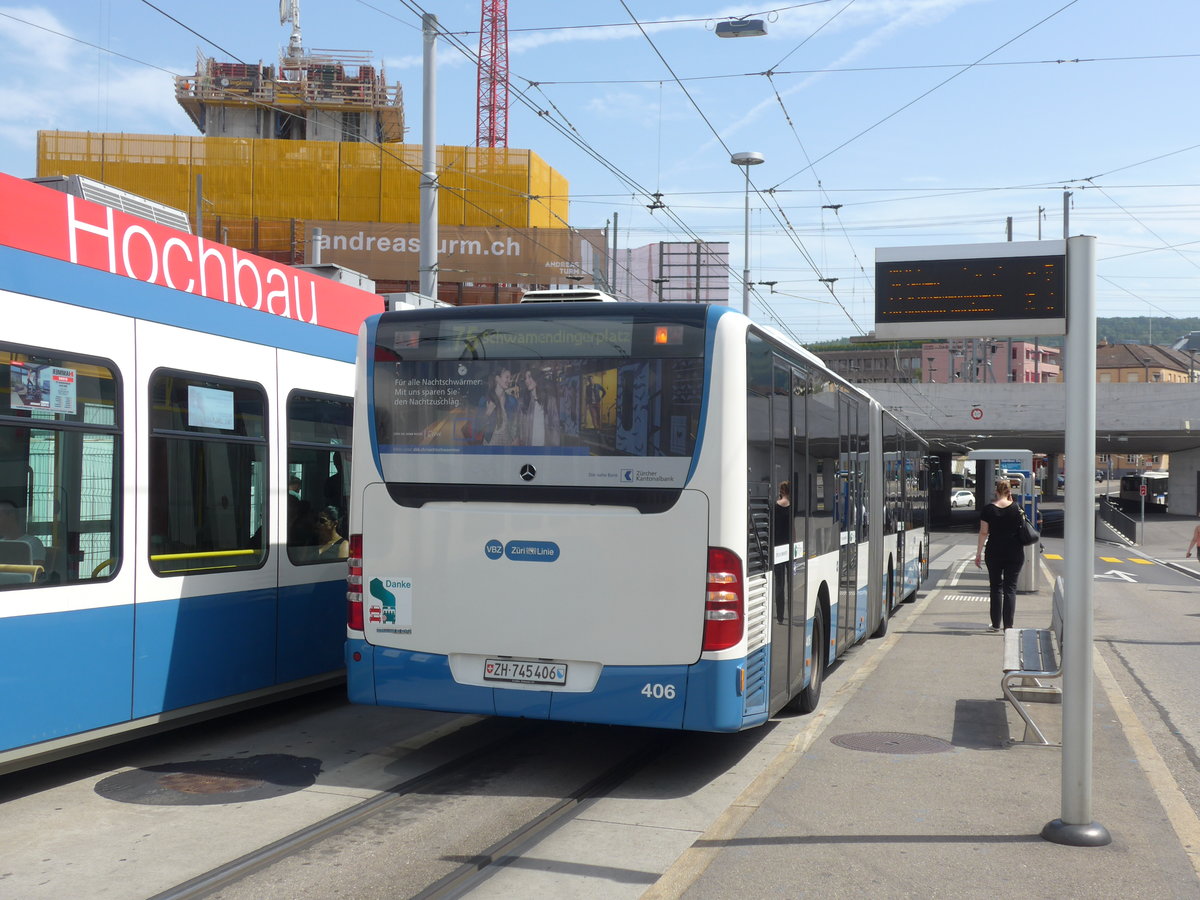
point(282, 180)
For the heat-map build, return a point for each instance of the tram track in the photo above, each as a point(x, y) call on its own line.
point(460, 882)
point(475, 867)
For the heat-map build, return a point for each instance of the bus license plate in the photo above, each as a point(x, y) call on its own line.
point(520, 672)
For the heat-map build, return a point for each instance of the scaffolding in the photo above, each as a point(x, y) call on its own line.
point(338, 181)
point(329, 80)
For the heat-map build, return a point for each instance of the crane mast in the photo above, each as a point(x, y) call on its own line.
point(491, 108)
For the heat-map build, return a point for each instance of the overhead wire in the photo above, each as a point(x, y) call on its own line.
point(566, 129)
point(925, 94)
point(809, 37)
point(844, 70)
point(788, 227)
point(789, 231)
point(1166, 245)
point(382, 147)
point(820, 187)
point(680, 21)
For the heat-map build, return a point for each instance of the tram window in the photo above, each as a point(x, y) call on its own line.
point(318, 474)
point(59, 463)
point(208, 474)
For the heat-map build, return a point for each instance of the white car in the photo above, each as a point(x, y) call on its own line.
point(962, 499)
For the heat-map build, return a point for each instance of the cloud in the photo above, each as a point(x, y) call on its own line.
point(34, 44)
point(897, 15)
point(53, 83)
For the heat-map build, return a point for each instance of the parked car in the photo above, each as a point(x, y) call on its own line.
point(962, 499)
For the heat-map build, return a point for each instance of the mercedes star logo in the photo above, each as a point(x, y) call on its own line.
point(528, 472)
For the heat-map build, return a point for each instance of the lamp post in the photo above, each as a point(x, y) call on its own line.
point(746, 160)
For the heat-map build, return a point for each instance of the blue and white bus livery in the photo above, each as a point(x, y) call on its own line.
point(569, 511)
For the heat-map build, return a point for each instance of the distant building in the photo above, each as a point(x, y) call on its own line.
point(315, 142)
point(1147, 363)
point(986, 361)
point(874, 365)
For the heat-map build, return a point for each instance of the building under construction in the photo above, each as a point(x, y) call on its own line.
point(317, 141)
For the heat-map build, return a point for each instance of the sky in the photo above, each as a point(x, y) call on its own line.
point(883, 123)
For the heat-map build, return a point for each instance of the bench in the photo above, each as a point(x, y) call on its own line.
point(1032, 655)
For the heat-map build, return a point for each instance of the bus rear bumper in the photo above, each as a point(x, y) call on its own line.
point(704, 696)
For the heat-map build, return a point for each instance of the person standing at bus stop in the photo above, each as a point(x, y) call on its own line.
point(999, 526)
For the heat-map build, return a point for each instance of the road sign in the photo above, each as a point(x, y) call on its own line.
point(1142, 490)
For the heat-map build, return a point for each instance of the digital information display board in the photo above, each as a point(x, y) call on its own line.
point(1011, 289)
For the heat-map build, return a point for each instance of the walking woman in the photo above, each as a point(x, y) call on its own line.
point(998, 527)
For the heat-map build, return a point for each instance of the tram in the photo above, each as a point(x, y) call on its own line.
point(175, 421)
point(627, 513)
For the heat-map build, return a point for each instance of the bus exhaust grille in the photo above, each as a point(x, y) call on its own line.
point(756, 612)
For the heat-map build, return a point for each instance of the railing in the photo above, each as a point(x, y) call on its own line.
point(1111, 515)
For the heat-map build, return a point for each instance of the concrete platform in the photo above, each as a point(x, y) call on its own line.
point(945, 805)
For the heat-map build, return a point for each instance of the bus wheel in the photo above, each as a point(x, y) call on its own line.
point(808, 698)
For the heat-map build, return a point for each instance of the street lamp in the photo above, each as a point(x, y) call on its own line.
point(746, 160)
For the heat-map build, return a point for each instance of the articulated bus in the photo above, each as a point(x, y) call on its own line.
point(1146, 491)
point(175, 418)
point(627, 513)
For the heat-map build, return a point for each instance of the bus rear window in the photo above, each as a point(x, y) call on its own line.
point(577, 391)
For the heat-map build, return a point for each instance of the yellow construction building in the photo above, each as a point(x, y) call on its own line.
point(318, 138)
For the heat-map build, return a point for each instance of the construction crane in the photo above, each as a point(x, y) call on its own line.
point(491, 106)
point(289, 11)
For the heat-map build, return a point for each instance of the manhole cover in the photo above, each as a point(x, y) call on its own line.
point(187, 783)
point(892, 742)
point(207, 781)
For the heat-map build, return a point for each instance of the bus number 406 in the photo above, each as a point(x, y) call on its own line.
point(659, 691)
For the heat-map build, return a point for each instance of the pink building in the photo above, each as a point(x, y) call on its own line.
point(989, 361)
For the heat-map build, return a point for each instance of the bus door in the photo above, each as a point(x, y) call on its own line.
point(798, 564)
point(782, 515)
point(848, 514)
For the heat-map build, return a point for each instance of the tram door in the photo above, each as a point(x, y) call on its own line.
point(849, 511)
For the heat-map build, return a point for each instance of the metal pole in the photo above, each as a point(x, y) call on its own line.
point(1142, 494)
point(746, 260)
point(1075, 827)
point(614, 255)
point(200, 205)
point(427, 257)
point(1066, 214)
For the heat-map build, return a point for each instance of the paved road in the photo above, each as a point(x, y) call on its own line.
point(1147, 629)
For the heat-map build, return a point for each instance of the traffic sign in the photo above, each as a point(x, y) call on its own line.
point(1142, 490)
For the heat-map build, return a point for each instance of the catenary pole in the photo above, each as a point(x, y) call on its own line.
point(1076, 827)
point(427, 257)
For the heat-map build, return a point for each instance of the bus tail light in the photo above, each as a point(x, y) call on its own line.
point(354, 595)
point(724, 606)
